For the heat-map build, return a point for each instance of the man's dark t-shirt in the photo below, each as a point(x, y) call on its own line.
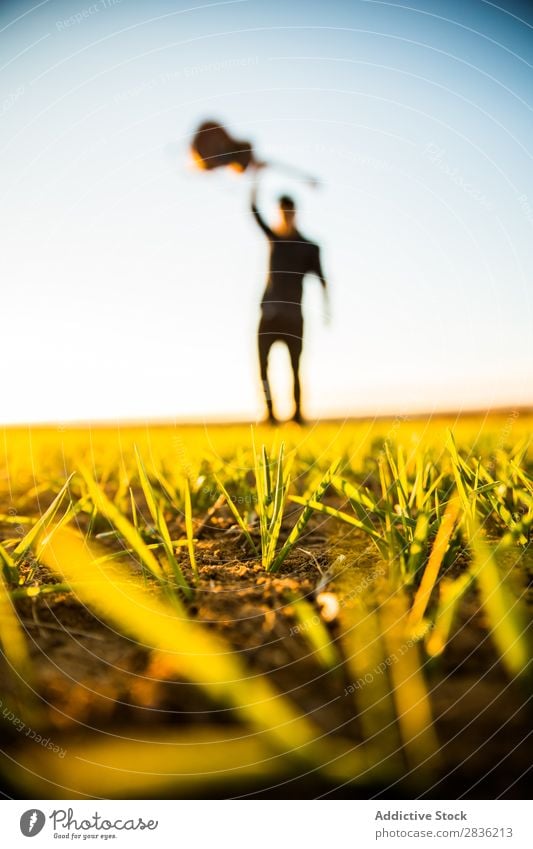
point(290, 260)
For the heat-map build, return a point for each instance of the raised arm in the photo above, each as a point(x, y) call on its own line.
point(257, 215)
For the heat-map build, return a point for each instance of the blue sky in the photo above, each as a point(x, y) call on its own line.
point(132, 282)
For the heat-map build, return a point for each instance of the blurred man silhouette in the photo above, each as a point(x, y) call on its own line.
point(292, 256)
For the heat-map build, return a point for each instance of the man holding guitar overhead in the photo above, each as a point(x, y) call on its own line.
point(292, 256)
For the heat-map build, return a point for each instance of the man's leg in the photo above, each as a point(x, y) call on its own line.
point(294, 344)
point(265, 341)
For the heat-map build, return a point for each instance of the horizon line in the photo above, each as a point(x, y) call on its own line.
point(161, 422)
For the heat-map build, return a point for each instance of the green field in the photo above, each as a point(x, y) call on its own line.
point(230, 611)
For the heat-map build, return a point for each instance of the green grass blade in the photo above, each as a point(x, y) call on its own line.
point(409, 689)
point(343, 517)
point(42, 524)
point(312, 628)
point(301, 523)
point(356, 497)
point(237, 516)
point(440, 546)
point(122, 525)
point(161, 525)
point(10, 567)
point(450, 594)
point(12, 639)
point(506, 614)
point(189, 529)
point(417, 548)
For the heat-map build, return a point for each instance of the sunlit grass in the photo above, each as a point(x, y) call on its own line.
point(445, 507)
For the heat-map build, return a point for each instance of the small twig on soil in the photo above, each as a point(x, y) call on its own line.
point(312, 556)
point(210, 513)
point(38, 624)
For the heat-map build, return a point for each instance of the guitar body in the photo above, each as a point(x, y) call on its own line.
point(213, 147)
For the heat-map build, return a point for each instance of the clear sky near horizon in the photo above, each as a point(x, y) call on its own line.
point(131, 282)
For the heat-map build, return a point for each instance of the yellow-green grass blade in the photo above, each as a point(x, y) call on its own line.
point(368, 684)
point(343, 517)
point(275, 526)
point(262, 506)
point(12, 639)
point(417, 492)
point(168, 489)
point(388, 532)
point(189, 529)
point(454, 453)
point(402, 475)
point(279, 497)
point(39, 590)
point(521, 475)
point(123, 479)
point(519, 452)
point(493, 499)
point(271, 500)
point(164, 763)
point(274, 529)
point(509, 626)
point(353, 494)
point(417, 548)
point(305, 516)
point(129, 552)
point(398, 479)
point(134, 512)
point(160, 524)
point(146, 486)
point(450, 594)
point(432, 491)
point(42, 524)
point(520, 531)
point(312, 628)
point(169, 763)
point(385, 482)
point(266, 474)
point(440, 546)
point(123, 526)
point(10, 567)
point(459, 469)
point(7, 519)
point(409, 689)
point(237, 516)
point(67, 516)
